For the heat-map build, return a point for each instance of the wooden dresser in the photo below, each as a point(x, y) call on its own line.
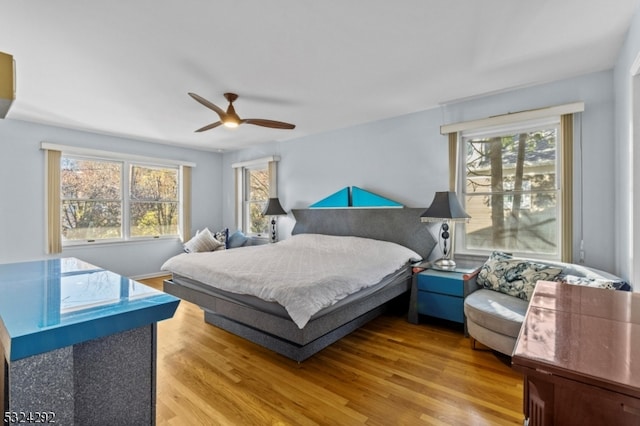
point(579, 351)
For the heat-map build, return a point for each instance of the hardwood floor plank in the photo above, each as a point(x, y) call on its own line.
point(387, 372)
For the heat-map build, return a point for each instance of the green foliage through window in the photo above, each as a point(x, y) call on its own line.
point(153, 201)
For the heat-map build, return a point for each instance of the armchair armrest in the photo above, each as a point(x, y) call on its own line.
point(470, 282)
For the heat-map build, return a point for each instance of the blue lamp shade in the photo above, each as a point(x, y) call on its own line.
point(445, 207)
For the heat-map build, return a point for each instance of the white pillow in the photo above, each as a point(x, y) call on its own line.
point(203, 241)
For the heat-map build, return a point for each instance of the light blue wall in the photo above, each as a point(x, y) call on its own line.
point(405, 158)
point(22, 189)
point(595, 162)
point(627, 157)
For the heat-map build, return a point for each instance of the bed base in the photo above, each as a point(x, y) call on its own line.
point(282, 335)
point(284, 347)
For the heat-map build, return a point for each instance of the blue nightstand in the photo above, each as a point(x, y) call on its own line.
point(441, 294)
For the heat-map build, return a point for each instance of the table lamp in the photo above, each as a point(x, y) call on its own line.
point(445, 208)
point(273, 209)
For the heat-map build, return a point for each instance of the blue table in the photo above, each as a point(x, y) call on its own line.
point(78, 344)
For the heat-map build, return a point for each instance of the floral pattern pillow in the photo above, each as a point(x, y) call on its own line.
point(594, 282)
point(223, 237)
point(515, 277)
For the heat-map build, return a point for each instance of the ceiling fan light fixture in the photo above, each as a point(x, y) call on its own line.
point(230, 118)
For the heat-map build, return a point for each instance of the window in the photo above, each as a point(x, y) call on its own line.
point(94, 206)
point(153, 201)
point(97, 196)
point(524, 200)
point(91, 194)
point(255, 184)
point(256, 197)
point(514, 172)
point(512, 189)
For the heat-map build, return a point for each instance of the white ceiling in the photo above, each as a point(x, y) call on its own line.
point(125, 67)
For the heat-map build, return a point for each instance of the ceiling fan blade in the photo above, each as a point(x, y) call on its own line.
point(209, 126)
point(269, 123)
point(209, 105)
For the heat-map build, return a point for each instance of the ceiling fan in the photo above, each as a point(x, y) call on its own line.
point(229, 118)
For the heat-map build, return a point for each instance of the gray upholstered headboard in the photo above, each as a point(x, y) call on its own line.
point(398, 225)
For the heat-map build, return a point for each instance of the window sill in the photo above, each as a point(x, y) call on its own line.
point(477, 254)
point(135, 241)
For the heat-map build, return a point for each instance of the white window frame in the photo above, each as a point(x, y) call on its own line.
point(248, 201)
point(126, 160)
point(568, 114)
point(523, 126)
point(241, 189)
point(121, 198)
point(128, 201)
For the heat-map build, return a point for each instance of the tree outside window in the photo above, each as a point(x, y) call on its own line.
point(94, 207)
point(257, 193)
point(153, 202)
point(91, 192)
point(512, 191)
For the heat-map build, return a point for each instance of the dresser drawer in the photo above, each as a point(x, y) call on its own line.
point(444, 283)
point(441, 306)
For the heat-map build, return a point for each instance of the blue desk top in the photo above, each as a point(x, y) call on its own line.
point(50, 304)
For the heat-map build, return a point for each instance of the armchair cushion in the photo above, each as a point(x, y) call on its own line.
point(496, 311)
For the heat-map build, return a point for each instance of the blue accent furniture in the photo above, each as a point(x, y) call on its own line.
point(362, 198)
point(338, 199)
point(440, 294)
point(78, 343)
point(354, 197)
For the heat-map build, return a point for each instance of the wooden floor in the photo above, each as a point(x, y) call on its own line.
point(387, 372)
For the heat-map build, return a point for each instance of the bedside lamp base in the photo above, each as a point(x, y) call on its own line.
point(444, 264)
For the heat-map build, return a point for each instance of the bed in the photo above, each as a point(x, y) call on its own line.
point(274, 323)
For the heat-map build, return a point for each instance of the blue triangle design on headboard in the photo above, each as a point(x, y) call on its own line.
point(338, 199)
point(354, 197)
point(362, 198)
